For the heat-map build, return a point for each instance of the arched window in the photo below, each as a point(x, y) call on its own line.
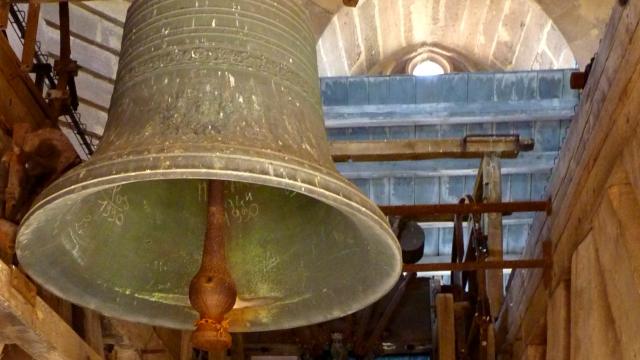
point(428, 68)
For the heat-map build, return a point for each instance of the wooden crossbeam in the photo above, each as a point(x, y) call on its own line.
point(425, 213)
point(480, 265)
point(36, 328)
point(426, 149)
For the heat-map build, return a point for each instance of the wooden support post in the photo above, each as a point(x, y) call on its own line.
point(615, 233)
point(186, 348)
point(65, 67)
point(8, 231)
point(534, 352)
point(593, 332)
point(143, 338)
point(4, 14)
point(492, 183)
point(491, 343)
point(172, 341)
point(29, 49)
point(88, 324)
point(237, 349)
point(21, 101)
point(446, 327)
point(374, 339)
point(559, 323)
point(37, 329)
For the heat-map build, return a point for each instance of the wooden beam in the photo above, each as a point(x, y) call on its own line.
point(29, 48)
point(615, 234)
point(473, 147)
point(381, 325)
point(480, 265)
point(446, 327)
point(425, 213)
point(14, 352)
point(492, 180)
point(21, 101)
point(37, 329)
point(143, 338)
point(4, 14)
point(173, 341)
point(88, 324)
point(601, 134)
point(593, 331)
point(559, 323)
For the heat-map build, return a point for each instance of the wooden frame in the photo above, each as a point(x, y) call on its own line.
point(36, 328)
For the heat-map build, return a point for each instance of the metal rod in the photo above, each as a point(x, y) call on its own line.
point(479, 265)
point(417, 212)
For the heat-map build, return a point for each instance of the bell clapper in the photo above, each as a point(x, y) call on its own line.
point(212, 291)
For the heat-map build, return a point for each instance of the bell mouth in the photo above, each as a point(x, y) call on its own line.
point(123, 233)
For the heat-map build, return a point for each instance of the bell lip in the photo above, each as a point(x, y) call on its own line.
point(350, 200)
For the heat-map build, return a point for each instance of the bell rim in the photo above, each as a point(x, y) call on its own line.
point(352, 202)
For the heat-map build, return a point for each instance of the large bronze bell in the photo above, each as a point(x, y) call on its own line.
point(227, 90)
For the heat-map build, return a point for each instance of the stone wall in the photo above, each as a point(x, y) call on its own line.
point(492, 34)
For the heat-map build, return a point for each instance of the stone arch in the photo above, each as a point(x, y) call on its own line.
point(490, 34)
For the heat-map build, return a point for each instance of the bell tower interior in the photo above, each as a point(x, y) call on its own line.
point(319, 179)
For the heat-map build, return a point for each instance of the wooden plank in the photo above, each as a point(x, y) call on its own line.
point(29, 48)
point(426, 212)
point(592, 333)
point(14, 352)
point(446, 327)
point(88, 324)
point(616, 232)
point(4, 14)
point(491, 342)
point(534, 326)
point(20, 100)
point(60, 306)
point(37, 329)
point(600, 133)
point(428, 149)
point(472, 265)
point(631, 161)
point(141, 337)
point(606, 120)
point(492, 178)
point(535, 352)
point(8, 232)
point(559, 323)
point(172, 340)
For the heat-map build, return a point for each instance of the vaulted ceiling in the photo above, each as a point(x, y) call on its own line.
point(488, 34)
point(483, 35)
